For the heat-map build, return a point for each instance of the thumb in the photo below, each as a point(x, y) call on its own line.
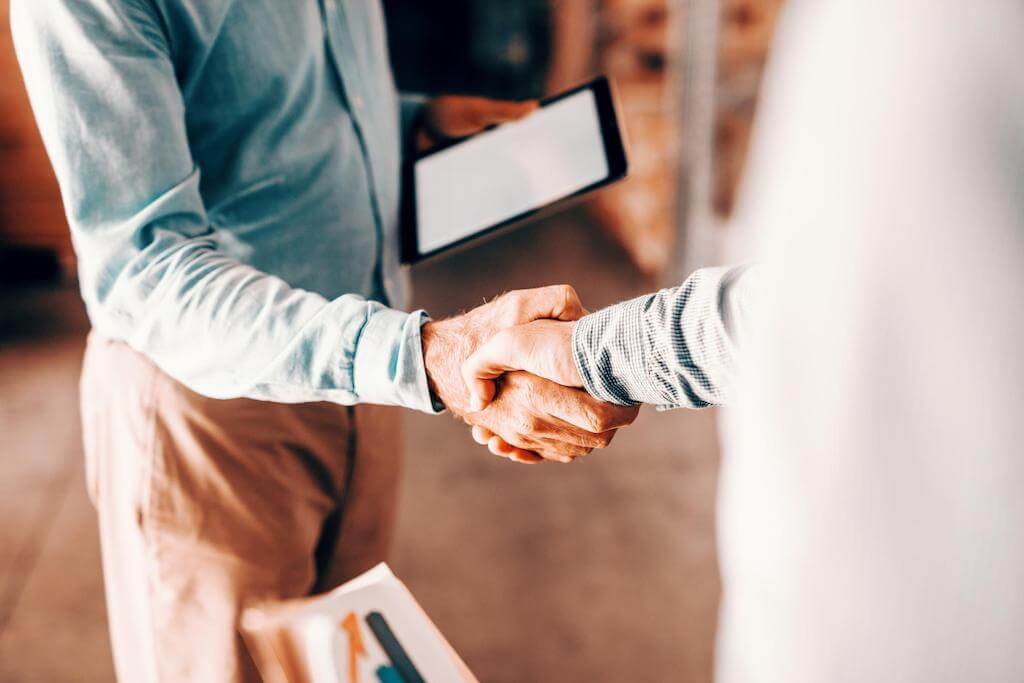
point(508, 110)
point(560, 302)
point(494, 358)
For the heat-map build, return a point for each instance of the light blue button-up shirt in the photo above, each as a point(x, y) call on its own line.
point(231, 172)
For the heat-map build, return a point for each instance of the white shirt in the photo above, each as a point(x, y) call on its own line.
point(872, 495)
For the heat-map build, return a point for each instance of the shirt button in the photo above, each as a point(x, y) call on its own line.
point(358, 101)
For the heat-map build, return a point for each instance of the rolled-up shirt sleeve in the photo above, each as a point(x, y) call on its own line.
point(152, 268)
point(675, 348)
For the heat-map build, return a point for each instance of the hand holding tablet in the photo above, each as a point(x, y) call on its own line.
point(569, 146)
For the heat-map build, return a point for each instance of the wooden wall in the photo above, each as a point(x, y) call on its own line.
point(31, 212)
point(747, 29)
point(637, 49)
point(639, 45)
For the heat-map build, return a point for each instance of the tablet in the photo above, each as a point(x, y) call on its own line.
point(569, 146)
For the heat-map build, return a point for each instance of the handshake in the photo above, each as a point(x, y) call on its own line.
point(508, 370)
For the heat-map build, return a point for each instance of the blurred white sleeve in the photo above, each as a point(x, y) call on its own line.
point(872, 497)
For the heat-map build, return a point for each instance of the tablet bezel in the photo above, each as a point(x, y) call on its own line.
point(615, 155)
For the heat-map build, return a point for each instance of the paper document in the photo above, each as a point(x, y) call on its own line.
point(370, 630)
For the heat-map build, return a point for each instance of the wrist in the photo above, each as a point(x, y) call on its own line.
point(573, 361)
point(445, 345)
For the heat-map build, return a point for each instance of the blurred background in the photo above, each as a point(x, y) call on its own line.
point(603, 570)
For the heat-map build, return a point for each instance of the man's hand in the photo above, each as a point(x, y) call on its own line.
point(534, 418)
point(542, 348)
point(457, 116)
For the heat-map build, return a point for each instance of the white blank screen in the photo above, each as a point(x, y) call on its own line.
point(517, 167)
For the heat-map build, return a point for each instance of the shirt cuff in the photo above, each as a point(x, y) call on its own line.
point(609, 365)
point(388, 366)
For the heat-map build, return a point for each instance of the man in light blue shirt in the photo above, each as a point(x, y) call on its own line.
point(230, 172)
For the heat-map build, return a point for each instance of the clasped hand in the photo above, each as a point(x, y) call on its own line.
point(475, 365)
point(524, 416)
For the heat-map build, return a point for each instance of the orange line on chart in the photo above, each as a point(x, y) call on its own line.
point(356, 647)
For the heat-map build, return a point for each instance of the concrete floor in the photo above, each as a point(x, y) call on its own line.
point(603, 570)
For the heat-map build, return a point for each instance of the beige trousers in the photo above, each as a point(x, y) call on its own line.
point(205, 505)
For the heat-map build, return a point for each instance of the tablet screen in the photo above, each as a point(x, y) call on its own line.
point(508, 171)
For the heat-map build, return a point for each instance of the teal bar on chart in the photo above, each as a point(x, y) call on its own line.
point(400, 660)
point(388, 674)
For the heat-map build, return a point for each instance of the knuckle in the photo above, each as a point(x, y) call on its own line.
point(525, 425)
point(505, 302)
point(528, 387)
point(579, 451)
point(599, 419)
point(568, 296)
point(504, 338)
point(513, 390)
point(568, 293)
point(514, 313)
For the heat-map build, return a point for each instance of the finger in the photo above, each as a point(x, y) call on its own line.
point(501, 448)
point(488, 362)
point(542, 348)
point(579, 409)
point(482, 435)
point(526, 458)
point(559, 431)
point(562, 449)
point(533, 448)
point(509, 110)
point(481, 112)
point(554, 301)
point(481, 392)
point(555, 451)
point(512, 443)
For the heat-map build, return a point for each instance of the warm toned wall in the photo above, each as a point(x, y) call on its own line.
point(637, 49)
point(30, 206)
point(640, 211)
point(748, 27)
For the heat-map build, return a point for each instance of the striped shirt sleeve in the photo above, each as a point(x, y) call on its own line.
point(675, 348)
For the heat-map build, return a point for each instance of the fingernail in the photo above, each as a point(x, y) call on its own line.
point(476, 404)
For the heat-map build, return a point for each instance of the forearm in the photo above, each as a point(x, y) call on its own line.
point(675, 348)
point(227, 330)
point(155, 270)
